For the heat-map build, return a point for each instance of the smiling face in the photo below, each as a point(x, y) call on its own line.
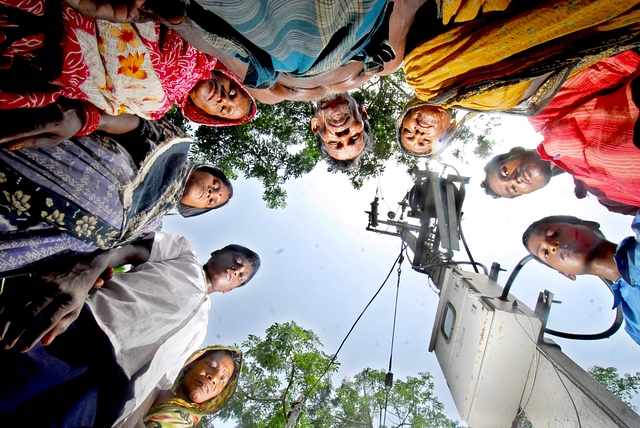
point(226, 271)
point(423, 126)
point(339, 122)
point(207, 377)
point(568, 248)
point(221, 97)
point(204, 190)
point(518, 172)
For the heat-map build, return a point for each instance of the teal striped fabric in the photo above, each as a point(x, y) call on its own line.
point(303, 38)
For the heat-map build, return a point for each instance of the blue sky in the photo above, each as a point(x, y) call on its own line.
point(320, 267)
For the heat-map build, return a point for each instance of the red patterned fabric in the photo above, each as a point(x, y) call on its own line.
point(74, 71)
point(588, 129)
point(177, 65)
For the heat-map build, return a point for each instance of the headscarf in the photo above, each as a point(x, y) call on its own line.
point(187, 211)
point(445, 141)
point(158, 186)
point(179, 413)
point(197, 115)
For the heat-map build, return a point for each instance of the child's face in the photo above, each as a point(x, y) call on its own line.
point(568, 248)
point(221, 97)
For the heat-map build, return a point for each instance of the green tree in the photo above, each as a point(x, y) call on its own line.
point(278, 145)
point(277, 371)
point(289, 363)
point(361, 402)
point(625, 387)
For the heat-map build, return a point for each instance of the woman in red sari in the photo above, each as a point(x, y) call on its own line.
point(142, 69)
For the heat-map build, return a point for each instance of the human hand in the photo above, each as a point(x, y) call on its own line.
point(44, 307)
point(46, 126)
point(130, 10)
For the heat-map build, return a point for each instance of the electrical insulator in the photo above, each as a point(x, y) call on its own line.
point(388, 380)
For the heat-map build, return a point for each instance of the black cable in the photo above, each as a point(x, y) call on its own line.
point(389, 378)
point(514, 274)
point(466, 247)
point(306, 394)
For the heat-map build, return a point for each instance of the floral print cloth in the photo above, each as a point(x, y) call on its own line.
point(142, 69)
point(87, 193)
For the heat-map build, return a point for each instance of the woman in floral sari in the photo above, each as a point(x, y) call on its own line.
point(142, 69)
point(99, 191)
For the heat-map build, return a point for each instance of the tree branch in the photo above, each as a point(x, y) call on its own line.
point(286, 391)
point(349, 421)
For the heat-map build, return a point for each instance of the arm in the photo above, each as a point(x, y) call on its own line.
point(45, 309)
point(130, 11)
point(55, 123)
point(400, 22)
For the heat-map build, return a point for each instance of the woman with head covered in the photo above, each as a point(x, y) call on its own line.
point(99, 191)
point(142, 69)
point(515, 58)
point(205, 384)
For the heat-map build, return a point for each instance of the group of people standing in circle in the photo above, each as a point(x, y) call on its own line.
point(88, 167)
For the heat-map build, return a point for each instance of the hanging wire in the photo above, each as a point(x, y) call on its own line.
point(308, 392)
point(388, 382)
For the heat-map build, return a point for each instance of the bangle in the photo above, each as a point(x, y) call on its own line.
point(91, 119)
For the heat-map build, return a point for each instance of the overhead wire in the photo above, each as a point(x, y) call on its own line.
point(389, 377)
point(324, 372)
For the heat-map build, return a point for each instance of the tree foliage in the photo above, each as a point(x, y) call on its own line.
point(278, 145)
point(289, 363)
point(625, 387)
point(277, 371)
point(361, 402)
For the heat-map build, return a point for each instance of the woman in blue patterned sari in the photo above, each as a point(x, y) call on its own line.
point(98, 191)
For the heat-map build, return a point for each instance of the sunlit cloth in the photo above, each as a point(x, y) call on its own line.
point(588, 128)
point(178, 413)
point(142, 69)
point(303, 38)
point(467, 10)
point(88, 193)
point(491, 62)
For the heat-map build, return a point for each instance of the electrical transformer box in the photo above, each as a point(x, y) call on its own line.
point(485, 347)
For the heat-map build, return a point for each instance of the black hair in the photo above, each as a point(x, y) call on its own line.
point(189, 211)
point(251, 256)
point(485, 183)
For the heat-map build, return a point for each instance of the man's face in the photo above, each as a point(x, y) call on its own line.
point(340, 123)
point(520, 173)
point(207, 377)
point(226, 271)
point(568, 248)
point(423, 126)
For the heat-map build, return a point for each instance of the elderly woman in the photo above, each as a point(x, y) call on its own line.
point(99, 191)
point(205, 384)
point(516, 58)
point(143, 69)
